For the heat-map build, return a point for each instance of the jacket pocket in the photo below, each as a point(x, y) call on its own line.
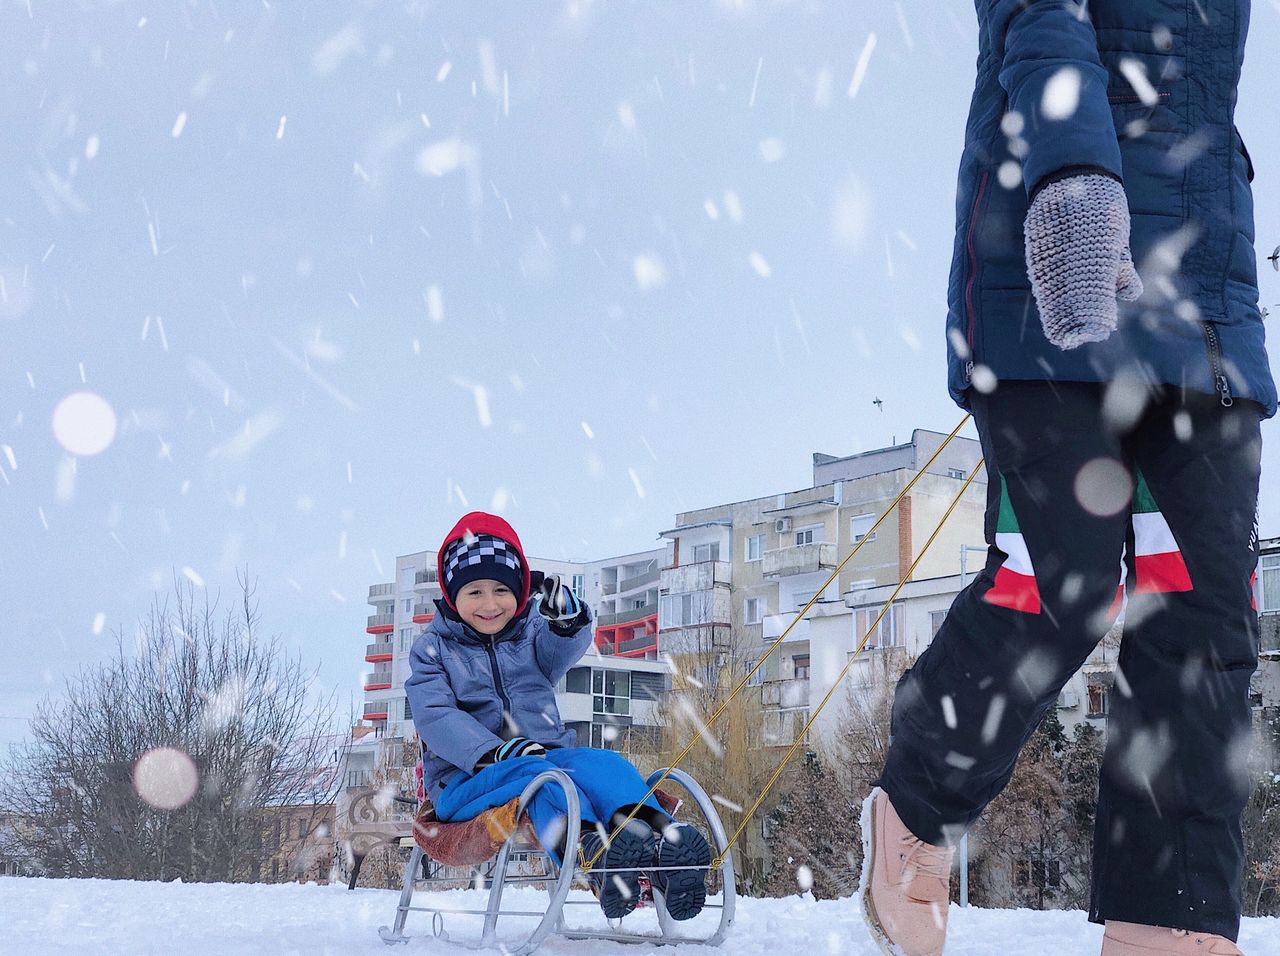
point(1134, 119)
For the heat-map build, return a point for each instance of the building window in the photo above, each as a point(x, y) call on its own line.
point(1269, 583)
point(757, 678)
point(610, 692)
point(809, 535)
point(801, 664)
point(755, 547)
point(887, 634)
point(958, 473)
point(1098, 699)
point(578, 680)
point(862, 528)
point(406, 639)
point(408, 605)
point(935, 622)
point(578, 585)
point(408, 713)
point(679, 610)
point(706, 552)
point(753, 611)
point(606, 736)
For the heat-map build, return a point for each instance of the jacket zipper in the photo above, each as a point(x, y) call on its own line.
point(497, 676)
point(1220, 382)
point(973, 270)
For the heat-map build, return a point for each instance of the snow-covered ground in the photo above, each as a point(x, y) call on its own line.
point(117, 917)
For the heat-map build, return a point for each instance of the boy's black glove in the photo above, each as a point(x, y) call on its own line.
point(557, 603)
point(515, 747)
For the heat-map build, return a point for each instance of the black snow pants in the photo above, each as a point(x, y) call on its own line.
point(1092, 488)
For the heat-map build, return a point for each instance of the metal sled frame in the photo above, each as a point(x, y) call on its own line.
point(560, 879)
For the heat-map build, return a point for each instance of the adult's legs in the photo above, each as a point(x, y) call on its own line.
point(1056, 521)
point(1167, 844)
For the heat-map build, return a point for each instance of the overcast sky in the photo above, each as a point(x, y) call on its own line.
point(339, 272)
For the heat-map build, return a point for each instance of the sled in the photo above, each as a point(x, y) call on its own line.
point(487, 844)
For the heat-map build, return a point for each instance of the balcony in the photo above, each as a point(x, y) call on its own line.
point(376, 710)
point(785, 694)
point(376, 653)
point(425, 580)
point(647, 579)
point(801, 559)
point(636, 646)
point(423, 612)
point(381, 623)
point(775, 624)
point(380, 679)
point(381, 592)
point(626, 617)
point(700, 576)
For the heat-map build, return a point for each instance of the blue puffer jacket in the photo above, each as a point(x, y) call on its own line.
point(1184, 168)
point(464, 686)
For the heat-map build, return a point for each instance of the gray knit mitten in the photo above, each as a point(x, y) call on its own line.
point(1078, 260)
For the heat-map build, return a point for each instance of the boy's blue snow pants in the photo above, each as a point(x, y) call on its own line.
point(1070, 489)
point(604, 779)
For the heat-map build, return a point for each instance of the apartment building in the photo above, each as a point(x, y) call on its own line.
point(735, 575)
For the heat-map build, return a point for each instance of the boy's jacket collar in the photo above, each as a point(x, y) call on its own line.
point(456, 629)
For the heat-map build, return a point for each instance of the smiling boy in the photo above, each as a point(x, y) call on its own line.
point(482, 694)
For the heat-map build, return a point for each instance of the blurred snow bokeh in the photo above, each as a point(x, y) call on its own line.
point(166, 778)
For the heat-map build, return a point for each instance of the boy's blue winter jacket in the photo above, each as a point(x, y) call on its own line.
point(1185, 169)
point(469, 692)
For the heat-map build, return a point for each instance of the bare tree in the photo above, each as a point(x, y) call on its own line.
point(861, 741)
point(1026, 832)
point(165, 760)
point(729, 756)
point(1261, 820)
point(810, 840)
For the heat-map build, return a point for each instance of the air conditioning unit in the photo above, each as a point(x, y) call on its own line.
point(782, 525)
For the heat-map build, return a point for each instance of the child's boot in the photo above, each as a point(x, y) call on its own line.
point(630, 852)
point(684, 890)
point(1135, 939)
point(904, 883)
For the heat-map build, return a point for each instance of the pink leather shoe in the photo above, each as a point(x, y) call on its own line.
point(1134, 939)
point(904, 883)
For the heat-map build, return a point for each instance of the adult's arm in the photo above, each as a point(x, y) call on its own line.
point(1035, 41)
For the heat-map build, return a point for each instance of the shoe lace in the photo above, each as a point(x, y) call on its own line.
point(924, 859)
